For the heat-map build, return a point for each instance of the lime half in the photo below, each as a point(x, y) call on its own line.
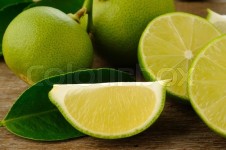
point(207, 85)
point(168, 46)
point(110, 110)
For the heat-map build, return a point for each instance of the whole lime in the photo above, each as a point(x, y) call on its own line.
point(118, 25)
point(42, 42)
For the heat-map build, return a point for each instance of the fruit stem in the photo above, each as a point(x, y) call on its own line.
point(87, 8)
point(81, 12)
point(88, 5)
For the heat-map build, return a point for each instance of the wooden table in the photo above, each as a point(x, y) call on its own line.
point(178, 127)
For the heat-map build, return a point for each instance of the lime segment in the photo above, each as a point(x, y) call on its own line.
point(110, 110)
point(168, 46)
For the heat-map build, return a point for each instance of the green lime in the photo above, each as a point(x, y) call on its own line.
point(118, 25)
point(42, 42)
point(168, 46)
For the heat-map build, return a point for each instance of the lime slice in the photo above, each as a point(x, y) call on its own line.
point(219, 21)
point(168, 46)
point(207, 85)
point(110, 110)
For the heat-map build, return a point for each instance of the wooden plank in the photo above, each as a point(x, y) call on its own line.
point(177, 128)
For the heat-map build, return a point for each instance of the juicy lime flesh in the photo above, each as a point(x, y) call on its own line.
point(111, 114)
point(169, 45)
point(208, 84)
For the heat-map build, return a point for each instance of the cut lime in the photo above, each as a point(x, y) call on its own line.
point(219, 21)
point(207, 85)
point(169, 44)
point(110, 110)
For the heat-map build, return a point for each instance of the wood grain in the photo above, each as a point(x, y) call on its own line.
point(177, 128)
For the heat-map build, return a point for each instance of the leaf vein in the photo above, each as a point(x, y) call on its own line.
point(29, 116)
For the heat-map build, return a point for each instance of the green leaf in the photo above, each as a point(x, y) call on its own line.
point(6, 16)
point(67, 6)
point(5, 3)
point(33, 116)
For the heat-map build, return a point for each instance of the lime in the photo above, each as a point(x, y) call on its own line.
point(118, 25)
point(42, 42)
point(207, 84)
point(219, 21)
point(168, 46)
point(110, 110)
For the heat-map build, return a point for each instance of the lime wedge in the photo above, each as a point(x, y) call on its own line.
point(207, 85)
point(168, 46)
point(219, 21)
point(110, 110)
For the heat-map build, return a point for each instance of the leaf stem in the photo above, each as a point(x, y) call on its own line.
point(1, 123)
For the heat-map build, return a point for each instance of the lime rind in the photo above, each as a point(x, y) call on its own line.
point(195, 106)
point(148, 74)
point(160, 102)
